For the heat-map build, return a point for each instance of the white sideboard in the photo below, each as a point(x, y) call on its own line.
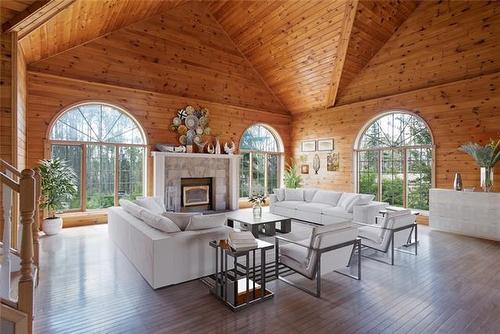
point(474, 214)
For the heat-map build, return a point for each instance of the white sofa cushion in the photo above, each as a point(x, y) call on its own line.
point(153, 204)
point(313, 207)
point(280, 193)
point(152, 219)
point(309, 194)
point(337, 211)
point(202, 222)
point(294, 194)
point(181, 219)
point(347, 201)
point(327, 197)
point(289, 204)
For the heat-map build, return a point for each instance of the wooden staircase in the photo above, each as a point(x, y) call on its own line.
point(19, 266)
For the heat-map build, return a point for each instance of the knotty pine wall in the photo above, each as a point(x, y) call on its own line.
point(48, 95)
point(456, 113)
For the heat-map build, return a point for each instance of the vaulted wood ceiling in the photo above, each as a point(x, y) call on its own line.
point(182, 52)
point(294, 55)
point(85, 20)
point(10, 8)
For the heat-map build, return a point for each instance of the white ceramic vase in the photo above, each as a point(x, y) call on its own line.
point(52, 226)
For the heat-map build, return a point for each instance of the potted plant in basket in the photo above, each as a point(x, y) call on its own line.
point(58, 183)
point(486, 157)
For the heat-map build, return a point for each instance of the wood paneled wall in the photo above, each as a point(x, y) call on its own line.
point(48, 95)
point(182, 52)
point(458, 112)
point(441, 42)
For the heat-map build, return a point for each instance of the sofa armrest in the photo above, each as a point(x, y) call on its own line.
point(367, 213)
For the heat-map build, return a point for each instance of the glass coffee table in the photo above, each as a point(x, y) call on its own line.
point(237, 284)
point(266, 224)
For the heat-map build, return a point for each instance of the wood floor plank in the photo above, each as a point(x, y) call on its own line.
point(453, 285)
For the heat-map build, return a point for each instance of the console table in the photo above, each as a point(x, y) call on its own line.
point(475, 214)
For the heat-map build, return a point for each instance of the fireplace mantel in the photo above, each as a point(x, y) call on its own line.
point(226, 175)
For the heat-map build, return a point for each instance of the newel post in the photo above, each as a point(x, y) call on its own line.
point(27, 208)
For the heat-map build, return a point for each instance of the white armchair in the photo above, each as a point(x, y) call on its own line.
point(328, 248)
point(394, 231)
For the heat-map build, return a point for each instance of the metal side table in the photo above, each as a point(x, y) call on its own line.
point(237, 287)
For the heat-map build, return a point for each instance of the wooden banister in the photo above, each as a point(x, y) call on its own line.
point(10, 168)
point(27, 205)
point(9, 182)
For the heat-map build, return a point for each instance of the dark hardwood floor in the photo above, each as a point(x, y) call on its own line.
point(452, 286)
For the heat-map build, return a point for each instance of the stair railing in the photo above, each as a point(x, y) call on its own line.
point(26, 187)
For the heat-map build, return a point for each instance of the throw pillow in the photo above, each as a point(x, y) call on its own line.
point(280, 193)
point(309, 194)
point(202, 222)
point(346, 201)
point(294, 194)
point(154, 220)
point(362, 199)
point(327, 197)
point(181, 219)
point(153, 204)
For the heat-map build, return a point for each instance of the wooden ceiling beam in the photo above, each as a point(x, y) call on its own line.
point(350, 14)
point(34, 16)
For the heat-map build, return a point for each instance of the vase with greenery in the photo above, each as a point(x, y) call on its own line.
point(292, 178)
point(257, 200)
point(58, 186)
point(486, 157)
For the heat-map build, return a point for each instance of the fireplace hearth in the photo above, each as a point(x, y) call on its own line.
point(196, 194)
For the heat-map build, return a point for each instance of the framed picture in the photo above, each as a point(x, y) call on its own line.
point(308, 146)
point(304, 169)
point(332, 162)
point(326, 144)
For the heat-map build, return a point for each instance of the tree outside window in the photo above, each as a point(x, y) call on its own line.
point(394, 160)
point(260, 166)
point(107, 150)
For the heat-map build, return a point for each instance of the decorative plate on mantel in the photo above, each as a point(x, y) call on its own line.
point(191, 124)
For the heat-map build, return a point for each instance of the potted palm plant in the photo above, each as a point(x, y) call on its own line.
point(486, 157)
point(292, 178)
point(58, 183)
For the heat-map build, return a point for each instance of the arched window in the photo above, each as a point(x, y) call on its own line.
point(107, 149)
point(261, 162)
point(394, 160)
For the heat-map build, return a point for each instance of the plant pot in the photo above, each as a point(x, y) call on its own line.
point(487, 178)
point(52, 226)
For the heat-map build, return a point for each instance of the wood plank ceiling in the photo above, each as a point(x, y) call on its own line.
point(374, 24)
point(182, 52)
point(10, 8)
point(85, 20)
point(291, 45)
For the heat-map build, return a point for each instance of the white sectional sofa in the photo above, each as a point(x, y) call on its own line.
point(164, 258)
point(325, 206)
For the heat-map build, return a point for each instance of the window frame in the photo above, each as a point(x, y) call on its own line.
point(83, 144)
point(404, 151)
point(279, 153)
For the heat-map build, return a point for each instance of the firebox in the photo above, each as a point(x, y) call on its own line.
point(196, 194)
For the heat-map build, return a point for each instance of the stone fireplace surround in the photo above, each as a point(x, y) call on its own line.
point(170, 168)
